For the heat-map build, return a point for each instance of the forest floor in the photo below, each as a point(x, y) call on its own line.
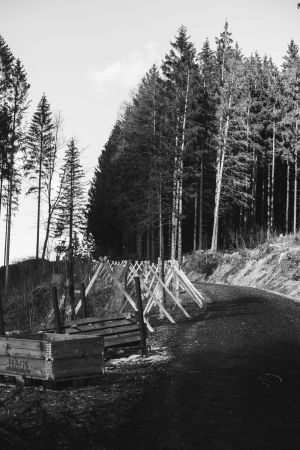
point(71, 417)
point(272, 266)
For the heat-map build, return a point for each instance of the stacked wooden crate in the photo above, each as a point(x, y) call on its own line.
point(52, 356)
point(118, 331)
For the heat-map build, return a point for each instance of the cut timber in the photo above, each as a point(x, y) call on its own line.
point(121, 332)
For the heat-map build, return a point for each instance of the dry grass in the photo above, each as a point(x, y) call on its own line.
point(273, 265)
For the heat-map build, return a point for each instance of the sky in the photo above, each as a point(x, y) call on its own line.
point(88, 56)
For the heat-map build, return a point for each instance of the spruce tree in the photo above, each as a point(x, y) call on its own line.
point(69, 215)
point(14, 91)
point(179, 68)
point(39, 156)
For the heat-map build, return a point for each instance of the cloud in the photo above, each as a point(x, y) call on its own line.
point(126, 73)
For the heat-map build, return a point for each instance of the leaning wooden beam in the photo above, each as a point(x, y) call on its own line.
point(169, 292)
point(125, 293)
point(150, 303)
point(186, 284)
point(190, 284)
point(157, 302)
point(119, 284)
point(95, 276)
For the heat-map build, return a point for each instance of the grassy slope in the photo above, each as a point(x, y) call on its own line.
point(274, 265)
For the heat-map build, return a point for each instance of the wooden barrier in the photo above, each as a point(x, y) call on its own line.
point(154, 285)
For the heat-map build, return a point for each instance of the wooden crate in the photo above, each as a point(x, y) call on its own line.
point(118, 331)
point(51, 356)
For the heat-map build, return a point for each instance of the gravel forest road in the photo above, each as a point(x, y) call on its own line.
point(234, 382)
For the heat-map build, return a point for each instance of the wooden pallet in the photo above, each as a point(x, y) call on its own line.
point(118, 331)
point(51, 356)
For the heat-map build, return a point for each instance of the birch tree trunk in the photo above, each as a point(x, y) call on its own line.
point(219, 179)
point(174, 219)
point(180, 180)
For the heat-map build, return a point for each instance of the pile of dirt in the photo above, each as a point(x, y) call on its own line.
point(274, 265)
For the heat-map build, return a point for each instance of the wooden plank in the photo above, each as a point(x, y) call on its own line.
point(103, 325)
point(27, 344)
point(72, 348)
point(170, 293)
point(53, 337)
point(101, 332)
point(89, 364)
point(21, 352)
point(120, 317)
point(83, 327)
point(114, 341)
point(80, 351)
point(157, 302)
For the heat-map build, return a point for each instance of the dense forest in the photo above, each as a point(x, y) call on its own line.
point(204, 156)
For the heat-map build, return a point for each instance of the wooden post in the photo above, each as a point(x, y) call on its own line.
point(56, 309)
point(83, 300)
point(71, 299)
point(161, 265)
point(2, 330)
point(140, 314)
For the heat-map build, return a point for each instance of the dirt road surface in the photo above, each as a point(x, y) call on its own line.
point(233, 383)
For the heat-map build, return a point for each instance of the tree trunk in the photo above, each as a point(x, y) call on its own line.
point(195, 219)
point(8, 233)
point(174, 219)
point(273, 180)
point(39, 207)
point(287, 197)
point(181, 169)
point(200, 236)
point(71, 250)
point(295, 181)
point(219, 179)
point(269, 202)
point(1, 187)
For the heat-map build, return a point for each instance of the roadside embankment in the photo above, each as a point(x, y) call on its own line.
point(274, 265)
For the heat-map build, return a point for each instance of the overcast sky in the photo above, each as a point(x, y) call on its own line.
point(88, 55)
